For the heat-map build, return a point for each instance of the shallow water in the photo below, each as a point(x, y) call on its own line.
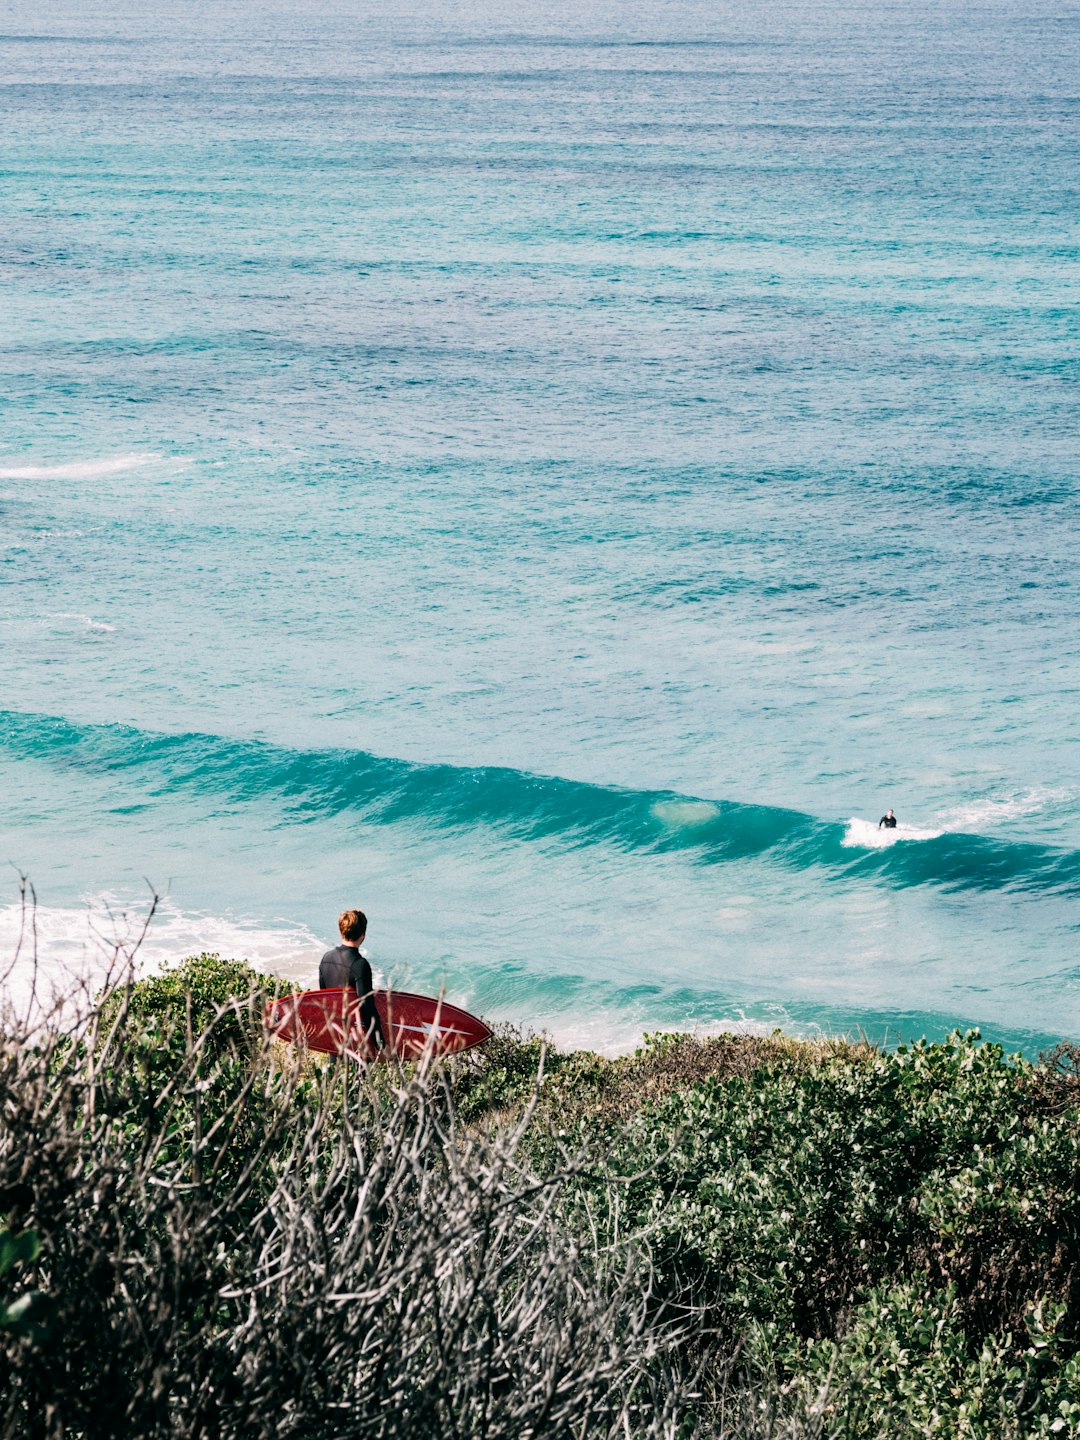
point(553, 480)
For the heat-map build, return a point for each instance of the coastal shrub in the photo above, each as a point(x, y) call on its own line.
point(220, 1001)
point(354, 1265)
point(581, 1089)
point(513, 1070)
point(744, 1237)
point(502, 1076)
point(179, 1062)
point(906, 1366)
point(782, 1198)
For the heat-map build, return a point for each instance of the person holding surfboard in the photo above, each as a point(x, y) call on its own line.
point(888, 820)
point(346, 968)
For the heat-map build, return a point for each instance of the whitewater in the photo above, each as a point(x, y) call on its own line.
point(553, 481)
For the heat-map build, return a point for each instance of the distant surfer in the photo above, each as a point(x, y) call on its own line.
point(888, 820)
point(345, 968)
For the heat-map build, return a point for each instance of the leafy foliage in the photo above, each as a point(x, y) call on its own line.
point(738, 1237)
point(784, 1197)
point(906, 1365)
point(27, 1315)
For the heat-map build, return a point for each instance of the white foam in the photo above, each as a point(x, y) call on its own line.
point(79, 469)
point(610, 1036)
point(57, 954)
point(972, 817)
point(977, 815)
point(87, 622)
point(865, 835)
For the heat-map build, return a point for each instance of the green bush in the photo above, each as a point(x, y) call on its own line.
point(327, 1257)
point(844, 1207)
point(848, 1213)
point(906, 1366)
point(174, 1054)
point(204, 995)
point(856, 1244)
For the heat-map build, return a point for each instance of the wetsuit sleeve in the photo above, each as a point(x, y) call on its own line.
point(326, 970)
point(364, 985)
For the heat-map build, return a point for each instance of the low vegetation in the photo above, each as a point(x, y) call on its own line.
point(208, 1234)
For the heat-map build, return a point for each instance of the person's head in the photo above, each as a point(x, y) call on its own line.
point(353, 926)
point(888, 814)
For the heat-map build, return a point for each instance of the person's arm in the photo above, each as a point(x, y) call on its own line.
point(325, 971)
point(364, 986)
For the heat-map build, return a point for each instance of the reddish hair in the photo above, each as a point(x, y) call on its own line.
point(352, 924)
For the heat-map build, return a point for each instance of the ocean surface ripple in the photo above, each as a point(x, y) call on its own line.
point(377, 790)
point(553, 477)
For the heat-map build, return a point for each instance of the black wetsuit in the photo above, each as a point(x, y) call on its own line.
point(345, 968)
point(889, 821)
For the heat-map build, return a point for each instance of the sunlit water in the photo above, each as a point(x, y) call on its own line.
point(553, 477)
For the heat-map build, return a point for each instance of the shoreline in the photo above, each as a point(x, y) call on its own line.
point(77, 943)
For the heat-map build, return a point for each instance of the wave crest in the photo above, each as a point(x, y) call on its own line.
point(864, 834)
point(306, 786)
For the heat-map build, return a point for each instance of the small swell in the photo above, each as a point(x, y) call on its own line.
point(84, 622)
point(78, 469)
point(309, 785)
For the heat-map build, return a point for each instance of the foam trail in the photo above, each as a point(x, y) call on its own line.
point(65, 952)
point(605, 1035)
point(79, 469)
point(996, 810)
point(864, 834)
point(95, 627)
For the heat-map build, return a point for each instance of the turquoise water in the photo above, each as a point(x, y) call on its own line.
point(552, 479)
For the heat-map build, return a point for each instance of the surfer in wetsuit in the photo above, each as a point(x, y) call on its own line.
point(888, 820)
point(346, 968)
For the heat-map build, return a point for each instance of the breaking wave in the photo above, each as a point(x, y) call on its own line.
point(308, 785)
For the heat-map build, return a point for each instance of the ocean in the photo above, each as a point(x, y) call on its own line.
point(552, 478)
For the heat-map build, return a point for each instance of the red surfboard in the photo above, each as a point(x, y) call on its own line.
point(414, 1025)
